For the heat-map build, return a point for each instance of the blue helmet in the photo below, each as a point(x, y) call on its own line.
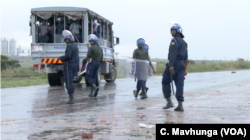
point(93, 38)
point(146, 47)
point(69, 36)
point(178, 28)
point(140, 41)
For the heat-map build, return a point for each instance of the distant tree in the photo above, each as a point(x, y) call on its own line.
point(4, 60)
point(4, 57)
point(13, 64)
point(2, 64)
point(240, 59)
point(191, 62)
point(6, 63)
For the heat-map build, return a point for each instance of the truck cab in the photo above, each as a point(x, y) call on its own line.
point(47, 47)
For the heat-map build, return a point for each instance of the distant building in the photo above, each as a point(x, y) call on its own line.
point(23, 54)
point(0, 46)
point(4, 46)
point(19, 50)
point(12, 47)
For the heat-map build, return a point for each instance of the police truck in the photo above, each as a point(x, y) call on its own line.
point(45, 54)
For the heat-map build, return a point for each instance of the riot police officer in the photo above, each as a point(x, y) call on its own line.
point(175, 68)
point(141, 54)
point(96, 54)
point(146, 47)
point(70, 66)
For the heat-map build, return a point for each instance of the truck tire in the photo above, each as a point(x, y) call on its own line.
point(51, 79)
point(78, 80)
point(98, 78)
point(59, 79)
point(112, 76)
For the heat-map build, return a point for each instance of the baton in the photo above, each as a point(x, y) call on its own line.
point(172, 83)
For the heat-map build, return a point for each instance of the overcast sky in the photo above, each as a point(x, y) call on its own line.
point(214, 29)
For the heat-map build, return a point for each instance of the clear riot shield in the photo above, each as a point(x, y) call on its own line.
point(134, 68)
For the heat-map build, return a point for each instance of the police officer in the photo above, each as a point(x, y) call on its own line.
point(175, 68)
point(146, 47)
point(96, 54)
point(70, 66)
point(141, 54)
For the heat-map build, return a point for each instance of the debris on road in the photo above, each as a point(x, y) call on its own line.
point(233, 72)
point(169, 123)
point(103, 121)
point(87, 135)
point(146, 126)
point(142, 125)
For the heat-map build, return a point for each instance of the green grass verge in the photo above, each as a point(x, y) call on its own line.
point(26, 69)
point(212, 67)
point(10, 82)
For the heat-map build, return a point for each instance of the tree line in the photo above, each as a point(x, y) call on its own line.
point(7, 63)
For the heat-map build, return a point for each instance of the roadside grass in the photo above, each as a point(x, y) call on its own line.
point(41, 78)
point(212, 67)
point(10, 82)
point(19, 71)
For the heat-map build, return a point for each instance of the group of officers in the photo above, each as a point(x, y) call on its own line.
point(174, 69)
point(46, 32)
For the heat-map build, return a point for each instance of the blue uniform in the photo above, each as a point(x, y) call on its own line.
point(176, 56)
point(92, 71)
point(59, 28)
point(95, 52)
point(70, 66)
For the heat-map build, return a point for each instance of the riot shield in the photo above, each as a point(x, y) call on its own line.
point(134, 68)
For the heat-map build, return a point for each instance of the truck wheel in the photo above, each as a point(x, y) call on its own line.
point(51, 79)
point(78, 80)
point(98, 78)
point(59, 79)
point(112, 76)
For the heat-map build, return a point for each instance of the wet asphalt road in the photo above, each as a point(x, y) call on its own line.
point(40, 112)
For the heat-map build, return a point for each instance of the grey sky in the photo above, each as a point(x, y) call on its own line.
point(214, 29)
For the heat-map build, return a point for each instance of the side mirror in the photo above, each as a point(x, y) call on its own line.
point(117, 41)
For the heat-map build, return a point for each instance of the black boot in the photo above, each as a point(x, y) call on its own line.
point(144, 94)
point(136, 93)
point(95, 89)
point(169, 104)
point(179, 107)
point(91, 92)
point(146, 91)
point(71, 99)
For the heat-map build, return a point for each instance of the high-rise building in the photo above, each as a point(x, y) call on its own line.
point(12, 47)
point(0, 46)
point(4, 46)
point(19, 50)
